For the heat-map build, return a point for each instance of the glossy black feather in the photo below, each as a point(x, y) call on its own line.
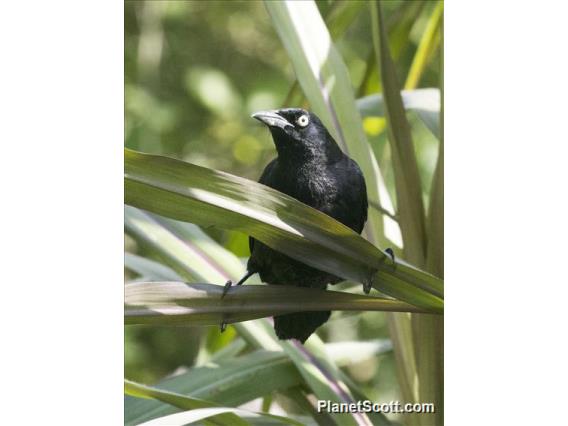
point(311, 168)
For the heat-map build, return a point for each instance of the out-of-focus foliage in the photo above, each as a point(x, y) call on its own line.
point(194, 72)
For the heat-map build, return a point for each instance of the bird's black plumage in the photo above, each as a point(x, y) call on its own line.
point(311, 168)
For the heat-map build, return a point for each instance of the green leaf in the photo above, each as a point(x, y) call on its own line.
point(429, 330)
point(399, 26)
point(196, 194)
point(341, 15)
point(400, 331)
point(217, 257)
point(427, 45)
point(435, 257)
point(325, 386)
point(230, 383)
point(193, 416)
point(169, 303)
point(410, 207)
point(236, 381)
point(316, 352)
point(148, 232)
point(222, 415)
point(345, 353)
point(338, 18)
point(258, 334)
point(146, 267)
point(168, 247)
point(180, 401)
point(435, 254)
point(424, 102)
point(229, 351)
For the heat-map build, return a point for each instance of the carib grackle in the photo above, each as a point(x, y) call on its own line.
point(311, 168)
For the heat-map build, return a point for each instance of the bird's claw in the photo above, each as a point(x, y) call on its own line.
point(368, 284)
point(390, 252)
point(228, 285)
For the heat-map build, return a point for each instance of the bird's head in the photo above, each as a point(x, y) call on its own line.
point(299, 135)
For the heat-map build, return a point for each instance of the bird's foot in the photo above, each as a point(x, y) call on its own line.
point(228, 285)
point(367, 286)
point(390, 252)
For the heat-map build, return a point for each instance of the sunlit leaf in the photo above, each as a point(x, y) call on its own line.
point(410, 206)
point(338, 18)
point(424, 102)
point(181, 401)
point(427, 45)
point(148, 232)
point(222, 415)
point(146, 267)
point(203, 414)
point(345, 353)
point(429, 330)
point(258, 334)
point(230, 383)
point(417, 347)
point(169, 303)
point(196, 194)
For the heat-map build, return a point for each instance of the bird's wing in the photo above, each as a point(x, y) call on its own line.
point(357, 195)
point(265, 179)
point(364, 200)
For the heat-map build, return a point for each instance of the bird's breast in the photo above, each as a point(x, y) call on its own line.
point(314, 186)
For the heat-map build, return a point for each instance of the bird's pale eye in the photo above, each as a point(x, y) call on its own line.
point(303, 120)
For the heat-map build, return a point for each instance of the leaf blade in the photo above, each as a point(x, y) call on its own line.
point(424, 102)
point(169, 303)
point(410, 207)
point(191, 193)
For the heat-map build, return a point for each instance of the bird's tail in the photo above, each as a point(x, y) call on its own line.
point(299, 325)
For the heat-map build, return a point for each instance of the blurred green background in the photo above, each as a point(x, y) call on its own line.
point(194, 72)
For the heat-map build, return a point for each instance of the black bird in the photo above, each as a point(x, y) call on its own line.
point(311, 168)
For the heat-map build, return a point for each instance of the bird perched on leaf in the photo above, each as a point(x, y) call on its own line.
point(311, 168)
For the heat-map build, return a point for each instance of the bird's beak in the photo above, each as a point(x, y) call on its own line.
point(271, 119)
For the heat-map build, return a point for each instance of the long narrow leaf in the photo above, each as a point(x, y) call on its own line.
point(316, 352)
point(338, 18)
point(149, 268)
point(230, 383)
point(424, 102)
point(191, 193)
point(201, 304)
point(203, 414)
point(429, 330)
point(399, 25)
point(410, 207)
point(148, 232)
point(258, 334)
point(427, 45)
point(236, 381)
point(222, 415)
point(181, 401)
